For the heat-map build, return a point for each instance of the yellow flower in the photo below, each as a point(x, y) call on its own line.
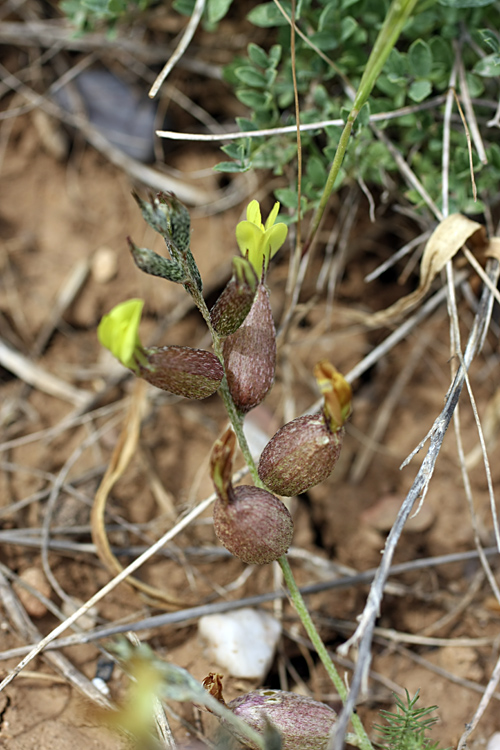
point(260, 241)
point(118, 331)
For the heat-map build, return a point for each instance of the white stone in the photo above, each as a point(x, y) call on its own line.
point(494, 742)
point(242, 642)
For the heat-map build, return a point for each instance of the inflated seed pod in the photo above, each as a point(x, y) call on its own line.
point(303, 723)
point(236, 300)
point(251, 523)
point(304, 452)
point(193, 373)
point(301, 454)
point(250, 354)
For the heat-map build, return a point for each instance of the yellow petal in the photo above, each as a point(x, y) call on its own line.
point(118, 331)
point(249, 238)
point(253, 213)
point(274, 238)
point(272, 216)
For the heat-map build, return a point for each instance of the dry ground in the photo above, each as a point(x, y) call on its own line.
point(438, 629)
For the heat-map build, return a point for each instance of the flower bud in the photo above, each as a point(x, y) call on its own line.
point(250, 354)
point(193, 373)
point(303, 723)
point(252, 524)
point(150, 262)
point(302, 454)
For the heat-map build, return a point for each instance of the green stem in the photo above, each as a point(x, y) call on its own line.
point(236, 419)
point(316, 640)
point(397, 15)
point(295, 595)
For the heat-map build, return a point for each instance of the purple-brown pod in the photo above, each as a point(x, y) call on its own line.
point(253, 525)
point(303, 723)
point(301, 454)
point(193, 373)
point(236, 300)
point(250, 354)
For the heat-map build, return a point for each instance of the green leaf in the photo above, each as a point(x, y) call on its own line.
point(231, 167)
point(234, 150)
point(255, 99)
point(268, 15)
point(420, 59)
point(490, 39)
point(466, 3)
point(251, 77)
point(488, 67)
point(419, 90)
point(325, 40)
point(328, 18)
point(316, 172)
point(475, 84)
point(348, 26)
point(184, 7)
point(217, 9)
point(257, 55)
point(245, 124)
point(287, 197)
point(275, 54)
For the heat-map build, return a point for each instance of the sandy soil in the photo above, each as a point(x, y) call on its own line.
point(438, 628)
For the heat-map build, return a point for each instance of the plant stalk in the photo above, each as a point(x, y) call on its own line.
point(236, 419)
point(397, 15)
point(316, 640)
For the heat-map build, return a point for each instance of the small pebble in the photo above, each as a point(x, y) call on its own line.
point(242, 642)
point(494, 742)
point(35, 578)
point(104, 265)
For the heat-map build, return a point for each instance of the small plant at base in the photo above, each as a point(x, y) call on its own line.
point(406, 727)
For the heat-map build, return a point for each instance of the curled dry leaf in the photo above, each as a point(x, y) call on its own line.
point(444, 243)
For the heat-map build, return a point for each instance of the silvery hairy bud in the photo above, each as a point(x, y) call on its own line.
point(250, 354)
point(193, 373)
point(304, 452)
point(251, 523)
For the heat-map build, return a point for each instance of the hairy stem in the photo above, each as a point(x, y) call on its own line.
point(316, 640)
point(397, 15)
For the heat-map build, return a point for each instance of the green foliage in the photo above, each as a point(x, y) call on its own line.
point(85, 14)
point(406, 727)
point(419, 68)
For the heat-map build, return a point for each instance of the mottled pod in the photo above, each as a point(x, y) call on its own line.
point(302, 722)
point(193, 373)
point(254, 525)
point(251, 523)
point(301, 454)
point(250, 354)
